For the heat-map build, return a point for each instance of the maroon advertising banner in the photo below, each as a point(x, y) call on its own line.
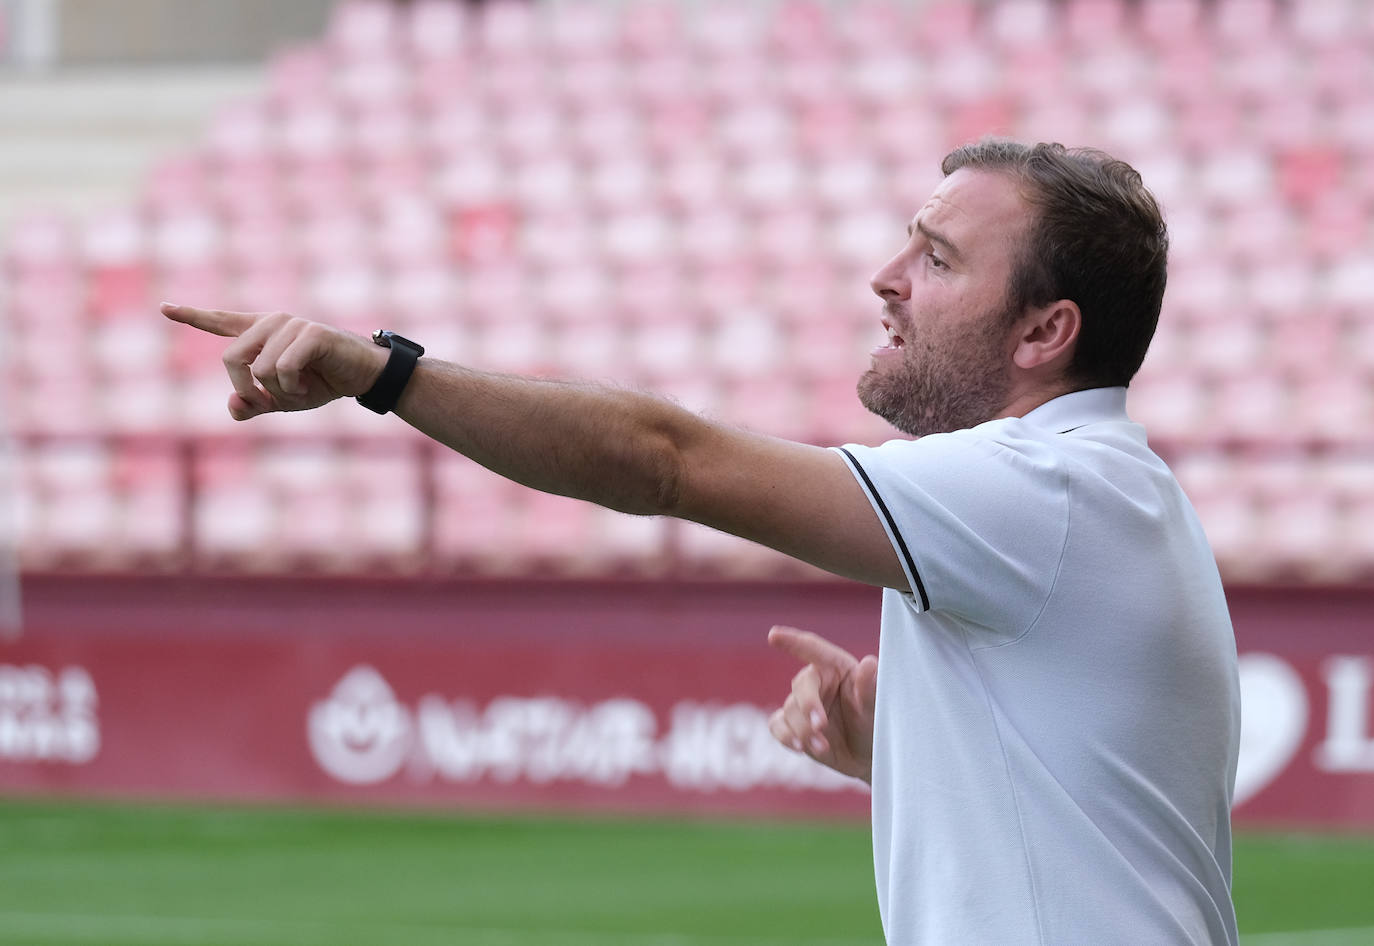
point(626, 697)
point(573, 696)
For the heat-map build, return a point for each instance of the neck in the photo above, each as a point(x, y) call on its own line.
point(1025, 401)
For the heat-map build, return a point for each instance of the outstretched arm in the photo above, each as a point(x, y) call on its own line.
point(829, 713)
point(623, 449)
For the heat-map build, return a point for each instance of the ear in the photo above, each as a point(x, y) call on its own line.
point(1047, 336)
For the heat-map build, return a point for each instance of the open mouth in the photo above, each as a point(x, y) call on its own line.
point(893, 339)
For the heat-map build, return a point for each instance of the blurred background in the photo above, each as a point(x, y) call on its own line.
point(688, 197)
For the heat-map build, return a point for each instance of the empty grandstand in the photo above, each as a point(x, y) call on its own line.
point(688, 197)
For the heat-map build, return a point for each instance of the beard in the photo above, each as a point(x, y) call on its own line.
point(951, 383)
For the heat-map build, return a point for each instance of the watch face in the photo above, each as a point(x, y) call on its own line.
point(385, 339)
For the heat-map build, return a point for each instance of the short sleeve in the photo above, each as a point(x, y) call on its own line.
point(978, 523)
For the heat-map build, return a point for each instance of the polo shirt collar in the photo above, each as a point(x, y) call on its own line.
point(1079, 408)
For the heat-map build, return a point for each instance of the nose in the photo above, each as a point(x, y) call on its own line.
point(891, 282)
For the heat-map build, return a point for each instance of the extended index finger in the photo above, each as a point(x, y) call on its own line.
point(227, 324)
point(810, 648)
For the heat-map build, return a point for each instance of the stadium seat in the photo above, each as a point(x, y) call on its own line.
point(148, 483)
point(504, 29)
point(1173, 404)
point(1335, 406)
point(1093, 24)
point(1252, 406)
point(1299, 533)
point(363, 28)
point(1021, 23)
point(1164, 22)
point(801, 30)
point(178, 181)
point(1242, 23)
point(1231, 522)
point(578, 293)
point(936, 24)
point(436, 30)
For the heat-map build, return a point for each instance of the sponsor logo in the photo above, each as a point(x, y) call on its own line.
point(363, 735)
point(47, 717)
point(1276, 717)
point(1349, 744)
point(1273, 720)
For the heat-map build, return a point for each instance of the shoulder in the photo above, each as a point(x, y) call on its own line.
point(970, 511)
point(996, 450)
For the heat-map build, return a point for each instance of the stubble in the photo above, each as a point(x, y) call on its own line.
point(951, 383)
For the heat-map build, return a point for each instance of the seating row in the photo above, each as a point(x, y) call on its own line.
point(400, 506)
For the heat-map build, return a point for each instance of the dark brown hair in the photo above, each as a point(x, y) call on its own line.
point(1098, 239)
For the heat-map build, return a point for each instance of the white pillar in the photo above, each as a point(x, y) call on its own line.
point(33, 32)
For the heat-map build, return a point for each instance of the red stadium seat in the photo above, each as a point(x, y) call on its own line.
point(1337, 407)
point(767, 404)
point(1297, 534)
point(1021, 23)
point(581, 32)
point(363, 28)
point(39, 242)
point(114, 249)
point(1165, 22)
point(747, 344)
point(719, 28)
point(178, 181)
point(1243, 23)
point(937, 24)
point(436, 30)
point(802, 30)
point(1231, 522)
point(1253, 406)
point(1172, 403)
point(146, 479)
point(1319, 25)
point(1093, 24)
point(299, 75)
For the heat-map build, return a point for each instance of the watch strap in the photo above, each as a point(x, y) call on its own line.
point(400, 365)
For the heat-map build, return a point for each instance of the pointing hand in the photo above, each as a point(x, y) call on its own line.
point(829, 713)
point(277, 362)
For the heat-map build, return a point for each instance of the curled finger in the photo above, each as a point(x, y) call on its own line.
point(777, 726)
point(801, 719)
point(240, 356)
point(266, 366)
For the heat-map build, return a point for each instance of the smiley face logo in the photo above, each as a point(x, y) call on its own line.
point(361, 734)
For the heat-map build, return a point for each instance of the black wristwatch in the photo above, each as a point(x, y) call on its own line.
point(383, 395)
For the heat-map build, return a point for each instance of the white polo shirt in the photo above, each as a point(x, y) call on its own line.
point(1058, 706)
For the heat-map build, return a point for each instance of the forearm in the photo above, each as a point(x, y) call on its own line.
point(610, 446)
point(622, 449)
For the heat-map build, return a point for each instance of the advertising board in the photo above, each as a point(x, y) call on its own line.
point(569, 696)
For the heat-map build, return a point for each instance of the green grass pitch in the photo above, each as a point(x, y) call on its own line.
point(88, 873)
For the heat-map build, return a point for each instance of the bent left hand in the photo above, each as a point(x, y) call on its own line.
point(828, 714)
point(278, 362)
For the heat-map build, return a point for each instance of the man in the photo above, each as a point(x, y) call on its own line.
point(1052, 734)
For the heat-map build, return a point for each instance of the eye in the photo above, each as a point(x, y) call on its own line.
point(936, 261)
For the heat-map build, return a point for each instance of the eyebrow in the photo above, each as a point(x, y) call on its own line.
point(937, 238)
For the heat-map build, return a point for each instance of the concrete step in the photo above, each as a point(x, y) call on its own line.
point(82, 141)
point(117, 100)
